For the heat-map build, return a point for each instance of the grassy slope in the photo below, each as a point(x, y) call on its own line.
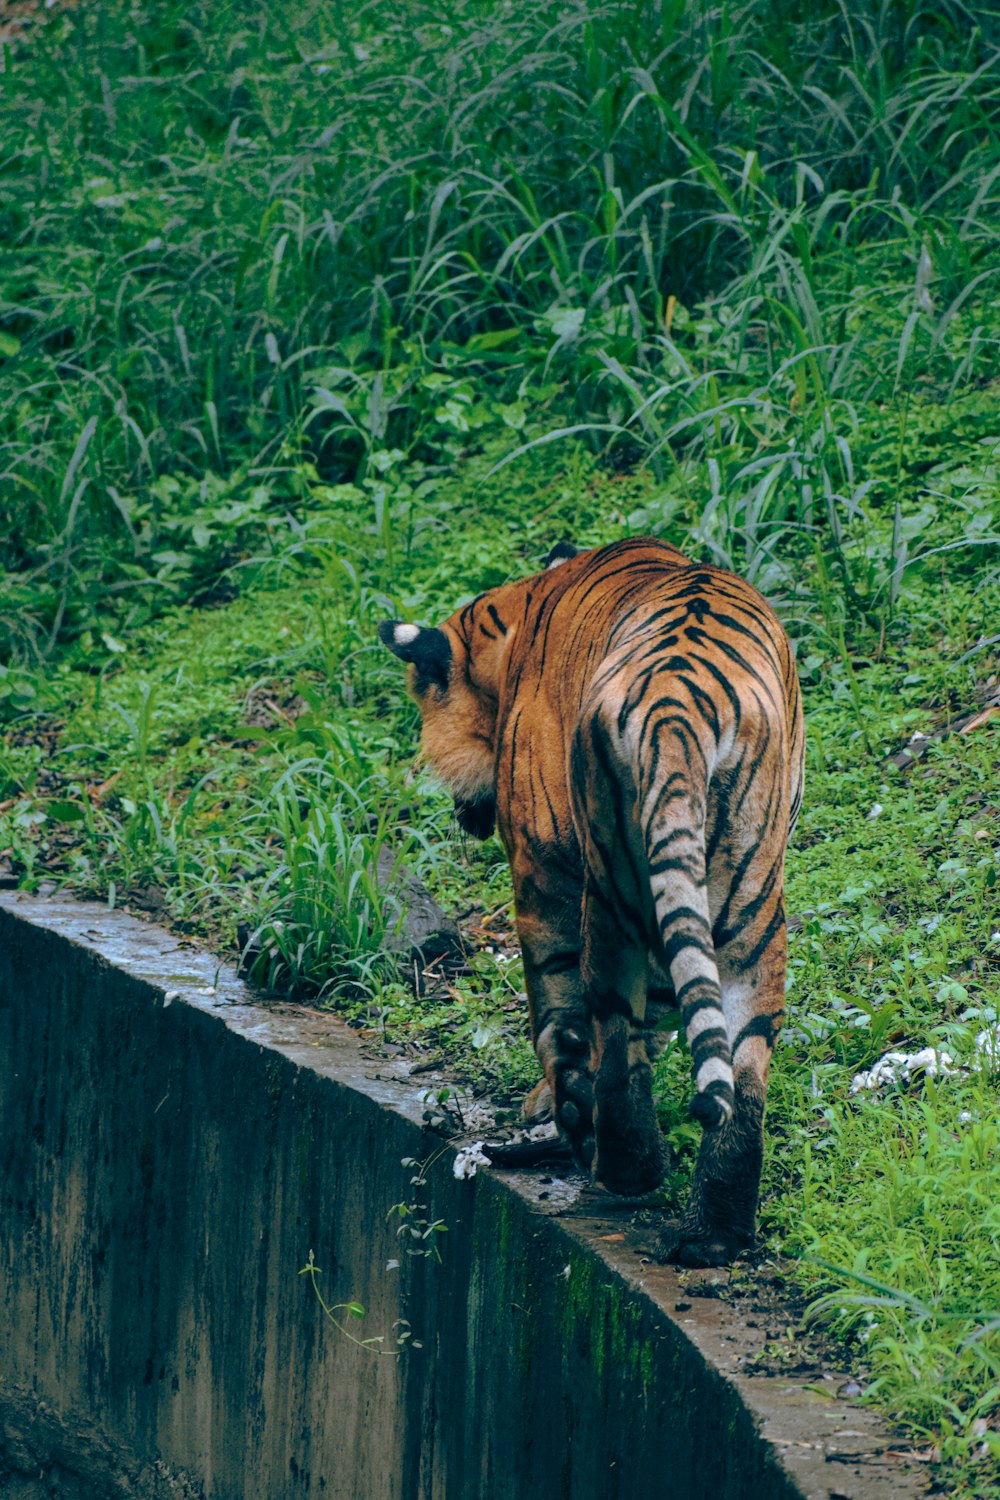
point(304, 456)
point(899, 941)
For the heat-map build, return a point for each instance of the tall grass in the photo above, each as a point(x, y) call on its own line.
point(717, 229)
point(327, 913)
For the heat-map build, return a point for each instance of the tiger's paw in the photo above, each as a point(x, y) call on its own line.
point(698, 1247)
point(630, 1153)
point(574, 1112)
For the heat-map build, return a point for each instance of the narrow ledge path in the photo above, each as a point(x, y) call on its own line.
point(632, 1369)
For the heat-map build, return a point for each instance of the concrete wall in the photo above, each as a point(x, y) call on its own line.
point(165, 1169)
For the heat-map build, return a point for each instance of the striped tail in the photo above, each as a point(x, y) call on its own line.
point(676, 856)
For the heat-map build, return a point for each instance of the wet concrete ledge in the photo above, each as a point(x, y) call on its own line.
point(171, 1152)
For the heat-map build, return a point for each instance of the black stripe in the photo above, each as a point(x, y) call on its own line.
point(701, 638)
point(706, 706)
point(745, 917)
point(758, 950)
point(727, 689)
point(710, 1045)
point(664, 840)
point(704, 980)
point(682, 940)
point(691, 1008)
point(684, 914)
point(695, 873)
point(766, 1026)
point(563, 962)
point(548, 802)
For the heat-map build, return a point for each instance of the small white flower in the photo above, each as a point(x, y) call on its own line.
point(469, 1160)
point(988, 1048)
point(930, 1061)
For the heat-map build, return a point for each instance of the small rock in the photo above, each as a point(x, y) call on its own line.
point(426, 934)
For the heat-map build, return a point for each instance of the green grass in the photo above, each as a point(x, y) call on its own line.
point(312, 318)
point(245, 238)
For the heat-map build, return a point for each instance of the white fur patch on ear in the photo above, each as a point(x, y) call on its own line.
point(403, 635)
point(560, 553)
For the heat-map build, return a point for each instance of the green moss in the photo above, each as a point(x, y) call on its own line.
point(598, 1314)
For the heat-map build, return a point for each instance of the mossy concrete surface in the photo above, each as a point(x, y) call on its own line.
point(172, 1152)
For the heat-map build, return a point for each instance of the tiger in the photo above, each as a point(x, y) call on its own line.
point(631, 723)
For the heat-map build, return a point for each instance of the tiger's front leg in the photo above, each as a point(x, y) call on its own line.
point(549, 933)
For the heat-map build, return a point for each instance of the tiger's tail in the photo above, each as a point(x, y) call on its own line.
point(675, 849)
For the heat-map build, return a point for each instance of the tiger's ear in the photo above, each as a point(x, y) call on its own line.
point(560, 553)
point(428, 649)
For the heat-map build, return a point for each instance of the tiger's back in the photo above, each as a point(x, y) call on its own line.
point(634, 720)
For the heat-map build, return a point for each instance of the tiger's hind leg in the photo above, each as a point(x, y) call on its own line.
point(629, 1155)
point(719, 1220)
point(615, 915)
